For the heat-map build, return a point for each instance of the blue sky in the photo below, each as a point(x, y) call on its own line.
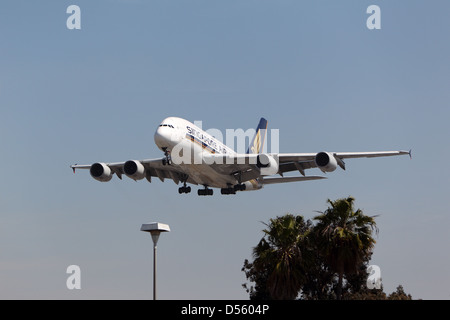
point(313, 69)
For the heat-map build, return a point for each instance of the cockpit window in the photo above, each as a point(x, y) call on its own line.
point(167, 125)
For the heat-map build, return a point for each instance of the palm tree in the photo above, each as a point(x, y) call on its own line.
point(344, 237)
point(280, 252)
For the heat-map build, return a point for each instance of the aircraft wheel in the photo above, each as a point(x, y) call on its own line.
point(205, 192)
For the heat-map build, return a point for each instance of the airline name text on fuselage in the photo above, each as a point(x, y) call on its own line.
point(205, 140)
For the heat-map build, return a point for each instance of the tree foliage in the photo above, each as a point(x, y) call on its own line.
point(279, 257)
point(344, 238)
point(326, 260)
point(399, 294)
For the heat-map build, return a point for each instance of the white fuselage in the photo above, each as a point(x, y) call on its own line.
point(175, 134)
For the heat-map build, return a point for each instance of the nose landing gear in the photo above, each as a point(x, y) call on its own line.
point(168, 159)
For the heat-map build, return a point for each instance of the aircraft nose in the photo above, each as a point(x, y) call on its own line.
point(166, 137)
point(162, 137)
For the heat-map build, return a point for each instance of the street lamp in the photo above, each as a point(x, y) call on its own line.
point(155, 229)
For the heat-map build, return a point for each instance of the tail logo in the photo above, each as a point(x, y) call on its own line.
point(256, 147)
point(257, 144)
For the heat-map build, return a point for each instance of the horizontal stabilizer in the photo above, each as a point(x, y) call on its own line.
point(290, 179)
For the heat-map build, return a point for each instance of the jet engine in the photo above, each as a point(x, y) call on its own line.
point(326, 161)
point(267, 163)
point(101, 172)
point(134, 170)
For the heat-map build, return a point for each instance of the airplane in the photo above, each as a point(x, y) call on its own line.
point(193, 156)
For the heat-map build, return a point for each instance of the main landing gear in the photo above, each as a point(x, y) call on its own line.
point(232, 190)
point(184, 188)
point(168, 159)
point(205, 192)
point(229, 190)
point(209, 192)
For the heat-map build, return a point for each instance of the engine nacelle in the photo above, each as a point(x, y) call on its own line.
point(326, 161)
point(134, 170)
point(252, 185)
point(267, 163)
point(101, 172)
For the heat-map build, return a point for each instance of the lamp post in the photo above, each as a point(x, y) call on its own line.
point(155, 229)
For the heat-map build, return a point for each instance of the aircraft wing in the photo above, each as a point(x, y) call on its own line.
point(286, 157)
point(289, 179)
point(302, 161)
point(288, 161)
point(153, 168)
point(243, 167)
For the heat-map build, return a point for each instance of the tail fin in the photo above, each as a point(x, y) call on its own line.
point(257, 144)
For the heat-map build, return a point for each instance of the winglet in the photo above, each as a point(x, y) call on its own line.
point(73, 168)
point(410, 156)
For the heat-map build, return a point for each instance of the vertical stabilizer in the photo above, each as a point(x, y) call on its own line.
point(257, 144)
